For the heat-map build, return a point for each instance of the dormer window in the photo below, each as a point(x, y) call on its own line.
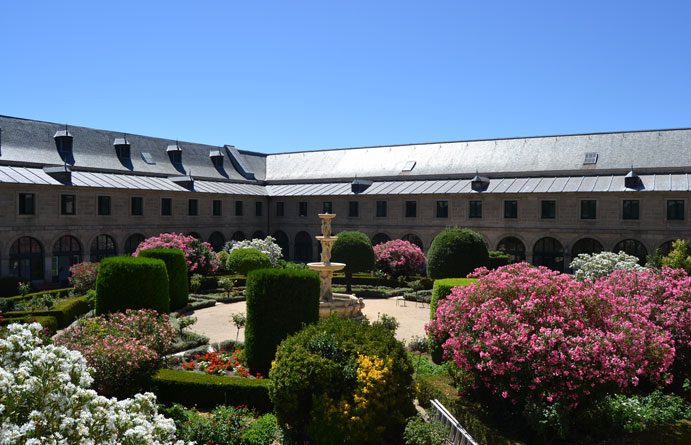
point(479, 183)
point(63, 142)
point(360, 185)
point(216, 157)
point(175, 153)
point(122, 147)
point(633, 181)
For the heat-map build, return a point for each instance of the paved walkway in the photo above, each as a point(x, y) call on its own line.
point(215, 322)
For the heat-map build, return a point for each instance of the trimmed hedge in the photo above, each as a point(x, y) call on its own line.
point(456, 252)
point(206, 391)
point(49, 323)
point(497, 258)
point(365, 280)
point(132, 283)
point(176, 266)
point(279, 303)
point(64, 312)
point(442, 288)
point(243, 261)
point(59, 293)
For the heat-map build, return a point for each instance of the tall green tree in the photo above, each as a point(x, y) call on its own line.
point(355, 250)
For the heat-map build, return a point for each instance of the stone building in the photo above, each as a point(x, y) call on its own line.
point(72, 194)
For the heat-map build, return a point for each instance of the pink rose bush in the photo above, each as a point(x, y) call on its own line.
point(199, 254)
point(122, 348)
point(533, 336)
point(83, 276)
point(398, 258)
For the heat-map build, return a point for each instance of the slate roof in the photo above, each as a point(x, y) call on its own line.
point(551, 164)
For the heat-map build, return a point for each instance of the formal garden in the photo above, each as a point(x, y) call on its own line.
point(518, 354)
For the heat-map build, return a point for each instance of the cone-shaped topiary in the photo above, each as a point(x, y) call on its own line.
point(176, 266)
point(456, 252)
point(355, 250)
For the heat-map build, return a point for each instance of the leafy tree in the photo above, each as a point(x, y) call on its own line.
point(456, 252)
point(679, 257)
point(355, 250)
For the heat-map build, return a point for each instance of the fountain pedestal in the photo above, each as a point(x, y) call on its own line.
point(329, 303)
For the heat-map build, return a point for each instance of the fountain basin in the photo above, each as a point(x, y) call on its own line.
point(342, 305)
point(326, 266)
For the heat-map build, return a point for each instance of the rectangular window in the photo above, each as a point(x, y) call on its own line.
point(238, 208)
point(548, 209)
point(411, 209)
point(442, 209)
point(258, 208)
point(104, 205)
point(192, 207)
point(137, 206)
point(511, 209)
point(675, 209)
point(217, 207)
point(327, 207)
point(302, 208)
point(381, 209)
point(27, 203)
point(588, 209)
point(166, 206)
point(68, 205)
point(630, 209)
point(353, 209)
point(280, 208)
point(474, 209)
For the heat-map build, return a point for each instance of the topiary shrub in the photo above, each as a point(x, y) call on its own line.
point(176, 267)
point(355, 250)
point(497, 258)
point(243, 261)
point(279, 303)
point(456, 252)
point(342, 381)
point(132, 283)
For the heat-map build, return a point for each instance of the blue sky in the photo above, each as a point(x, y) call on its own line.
point(280, 76)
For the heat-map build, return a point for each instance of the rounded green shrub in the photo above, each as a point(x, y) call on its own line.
point(243, 261)
point(342, 381)
point(456, 252)
point(355, 250)
point(132, 283)
point(176, 266)
point(279, 303)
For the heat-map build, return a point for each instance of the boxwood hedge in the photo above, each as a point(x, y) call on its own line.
point(279, 303)
point(176, 266)
point(206, 391)
point(132, 283)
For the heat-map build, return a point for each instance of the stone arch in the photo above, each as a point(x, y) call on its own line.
point(283, 242)
point(586, 245)
point(632, 247)
point(102, 246)
point(380, 238)
point(413, 238)
point(132, 242)
point(67, 251)
point(194, 235)
point(303, 247)
point(258, 234)
point(238, 236)
point(26, 258)
point(217, 241)
point(514, 247)
point(549, 252)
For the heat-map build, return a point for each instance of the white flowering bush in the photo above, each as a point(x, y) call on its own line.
point(267, 246)
point(45, 399)
point(591, 266)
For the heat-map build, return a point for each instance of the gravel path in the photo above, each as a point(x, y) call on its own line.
point(215, 322)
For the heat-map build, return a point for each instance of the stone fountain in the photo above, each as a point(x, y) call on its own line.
point(330, 303)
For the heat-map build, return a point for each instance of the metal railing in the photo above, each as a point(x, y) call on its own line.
point(457, 435)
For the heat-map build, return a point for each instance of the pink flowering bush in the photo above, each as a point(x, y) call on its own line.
point(122, 348)
point(83, 277)
point(534, 336)
point(199, 254)
point(398, 258)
